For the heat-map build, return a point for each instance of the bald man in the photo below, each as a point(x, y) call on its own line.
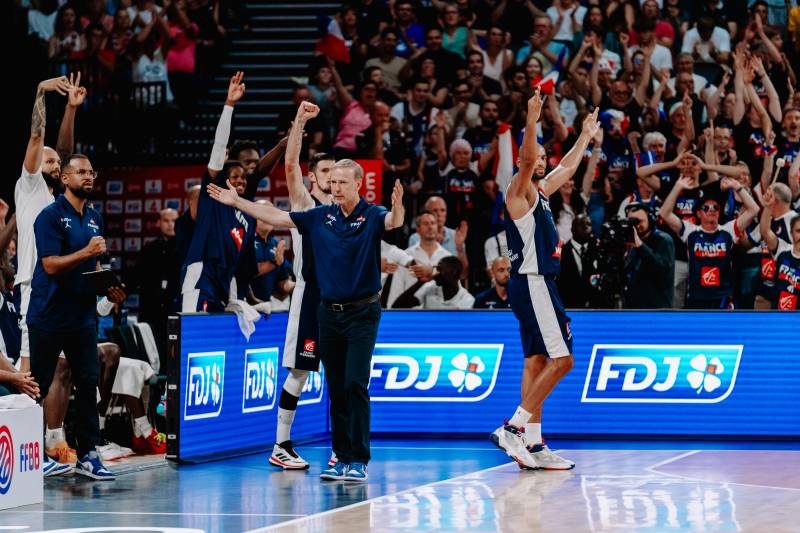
point(157, 278)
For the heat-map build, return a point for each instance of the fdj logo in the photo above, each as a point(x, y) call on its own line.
point(661, 373)
point(434, 372)
point(260, 379)
point(312, 390)
point(6, 459)
point(205, 379)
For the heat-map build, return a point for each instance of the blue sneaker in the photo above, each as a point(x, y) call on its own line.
point(52, 468)
point(357, 472)
point(92, 467)
point(336, 472)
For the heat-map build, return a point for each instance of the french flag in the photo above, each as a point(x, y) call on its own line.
point(332, 43)
point(645, 158)
point(547, 84)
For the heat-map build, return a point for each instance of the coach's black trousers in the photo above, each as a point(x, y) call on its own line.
point(347, 339)
point(80, 349)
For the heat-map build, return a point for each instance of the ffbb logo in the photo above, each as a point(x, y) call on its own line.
point(661, 373)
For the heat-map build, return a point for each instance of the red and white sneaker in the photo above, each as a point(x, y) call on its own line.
point(153, 444)
point(284, 456)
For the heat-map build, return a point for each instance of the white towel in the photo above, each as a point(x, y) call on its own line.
point(150, 347)
point(16, 401)
point(131, 376)
point(245, 315)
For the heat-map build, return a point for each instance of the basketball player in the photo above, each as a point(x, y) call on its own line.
point(535, 253)
point(300, 353)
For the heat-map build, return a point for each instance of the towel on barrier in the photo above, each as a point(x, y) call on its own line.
point(245, 315)
point(16, 401)
point(147, 342)
point(131, 377)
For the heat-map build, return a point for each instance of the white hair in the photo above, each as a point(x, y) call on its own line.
point(653, 136)
point(459, 144)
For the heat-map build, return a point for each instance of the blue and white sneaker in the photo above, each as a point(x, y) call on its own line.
point(336, 472)
point(357, 472)
point(52, 468)
point(92, 467)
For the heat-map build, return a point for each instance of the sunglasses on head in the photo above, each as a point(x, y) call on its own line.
point(710, 208)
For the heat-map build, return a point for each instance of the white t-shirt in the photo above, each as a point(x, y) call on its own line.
point(403, 278)
point(431, 296)
point(661, 58)
point(146, 70)
point(720, 38)
point(494, 247)
point(564, 32)
point(145, 15)
point(31, 196)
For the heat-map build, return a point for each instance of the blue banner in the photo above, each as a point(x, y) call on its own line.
point(636, 373)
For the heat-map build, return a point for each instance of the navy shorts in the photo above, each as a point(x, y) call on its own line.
point(543, 323)
point(301, 350)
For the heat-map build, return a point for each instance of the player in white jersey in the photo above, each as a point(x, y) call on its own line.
point(301, 352)
point(33, 192)
point(535, 253)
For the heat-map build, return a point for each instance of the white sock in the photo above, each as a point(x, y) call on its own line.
point(533, 433)
point(285, 419)
point(142, 427)
point(102, 421)
point(54, 436)
point(520, 417)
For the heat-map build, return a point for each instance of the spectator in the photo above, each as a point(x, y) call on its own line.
point(482, 138)
point(542, 46)
point(386, 141)
point(67, 38)
point(461, 183)
point(42, 19)
point(496, 297)
point(447, 63)
point(578, 283)
point(148, 57)
point(142, 13)
point(707, 42)
point(776, 217)
point(412, 34)
point(426, 253)
point(517, 18)
point(157, 279)
point(181, 56)
point(373, 17)
point(438, 92)
point(660, 57)
point(355, 114)
point(495, 246)
point(456, 35)
point(664, 32)
point(786, 277)
point(567, 17)
point(323, 93)
point(415, 114)
point(387, 60)
point(482, 87)
point(464, 114)
point(650, 263)
point(710, 244)
point(685, 64)
point(314, 134)
point(95, 13)
point(375, 75)
point(450, 239)
point(444, 291)
point(496, 57)
point(566, 205)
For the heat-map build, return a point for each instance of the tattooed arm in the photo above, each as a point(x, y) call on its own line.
point(33, 154)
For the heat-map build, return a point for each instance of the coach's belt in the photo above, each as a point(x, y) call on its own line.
point(344, 306)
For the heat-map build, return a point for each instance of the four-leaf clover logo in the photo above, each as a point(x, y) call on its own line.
point(704, 375)
point(466, 373)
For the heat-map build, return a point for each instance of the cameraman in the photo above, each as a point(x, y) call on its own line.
point(650, 263)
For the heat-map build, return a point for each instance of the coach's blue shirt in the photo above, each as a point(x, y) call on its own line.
point(64, 302)
point(222, 242)
point(347, 250)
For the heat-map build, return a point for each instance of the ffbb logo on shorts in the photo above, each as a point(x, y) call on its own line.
point(434, 372)
point(661, 373)
point(205, 380)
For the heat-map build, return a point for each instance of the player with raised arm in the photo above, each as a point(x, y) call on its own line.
point(300, 353)
point(535, 253)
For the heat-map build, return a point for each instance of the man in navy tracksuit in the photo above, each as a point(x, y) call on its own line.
point(61, 313)
point(346, 238)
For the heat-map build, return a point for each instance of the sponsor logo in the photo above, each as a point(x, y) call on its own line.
point(767, 268)
point(205, 378)
point(557, 252)
point(30, 457)
point(787, 301)
point(66, 221)
point(238, 237)
point(357, 224)
point(434, 372)
point(241, 219)
point(661, 373)
point(789, 275)
point(309, 348)
point(312, 390)
point(710, 249)
point(6, 459)
point(260, 379)
point(331, 219)
point(709, 276)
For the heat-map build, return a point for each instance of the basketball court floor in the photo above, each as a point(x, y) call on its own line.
point(446, 485)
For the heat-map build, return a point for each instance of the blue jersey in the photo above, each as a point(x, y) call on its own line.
point(10, 334)
point(347, 249)
point(264, 250)
point(63, 302)
point(710, 259)
point(533, 243)
point(222, 242)
point(787, 279)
